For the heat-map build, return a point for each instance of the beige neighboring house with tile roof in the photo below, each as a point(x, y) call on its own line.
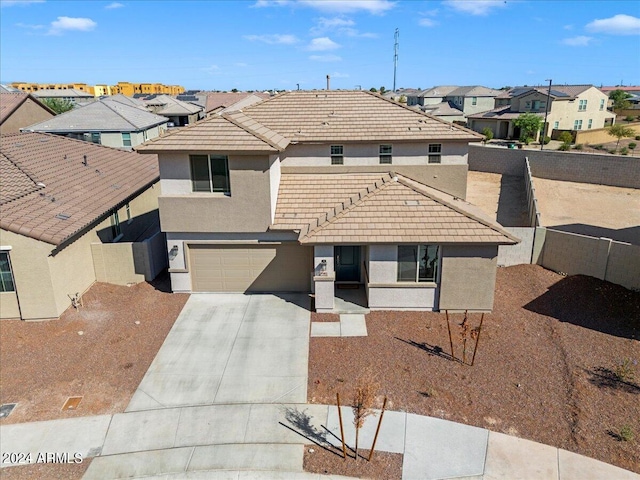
point(218, 102)
point(466, 100)
point(178, 112)
point(19, 109)
point(310, 191)
point(571, 108)
point(70, 212)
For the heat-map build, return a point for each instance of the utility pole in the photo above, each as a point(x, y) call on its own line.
point(546, 111)
point(395, 57)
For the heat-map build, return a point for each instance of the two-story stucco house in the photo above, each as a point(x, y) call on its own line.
point(571, 107)
point(314, 190)
point(454, 103)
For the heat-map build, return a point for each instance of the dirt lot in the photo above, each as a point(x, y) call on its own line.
point(545, 367)
point(99, 352)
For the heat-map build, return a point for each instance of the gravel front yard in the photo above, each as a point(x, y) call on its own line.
point(99, 352)
point(545, 369)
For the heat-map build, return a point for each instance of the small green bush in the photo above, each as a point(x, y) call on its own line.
point(624, 151)
point(546, 139)
point(637, 137)
point(626, 434)
point(612, 150)
point(598, 147)
point(624, 370)
point(564, 147)
point(488, 133)
point(632, 145)
point(565, 137)
point(578, 146)
point(629, 118)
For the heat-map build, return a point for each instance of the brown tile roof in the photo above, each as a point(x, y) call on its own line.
point(63, 185)
point(350, 116)
point(233, 132)
point(374, 208)
point(10, 101)
point(218, 99)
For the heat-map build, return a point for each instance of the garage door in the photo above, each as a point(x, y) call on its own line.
point(250, 268)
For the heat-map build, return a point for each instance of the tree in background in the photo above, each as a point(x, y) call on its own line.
point(382, 90)
point(58, 105)
point(488, 134)
point(620, 131)
point(529, 124)
point(619, 98)
point(373, 89)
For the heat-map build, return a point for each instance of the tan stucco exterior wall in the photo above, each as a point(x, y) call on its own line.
point(247, 209)
point(468, 277)
point(26, 114)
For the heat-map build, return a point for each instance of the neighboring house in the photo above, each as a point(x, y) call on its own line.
point(571, 108)
point(468, 100)
point(217, 102)
point(8, 89)
point(446, 111)
point(401, 94)
point(106, 122)
point(178, 112)
point(19, 109)
point(312, 190)
point(59, 196)
point(77, 97)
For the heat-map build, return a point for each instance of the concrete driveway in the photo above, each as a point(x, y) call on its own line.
point(231, 348)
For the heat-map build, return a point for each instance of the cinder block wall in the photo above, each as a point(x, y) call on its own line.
point(520, 253)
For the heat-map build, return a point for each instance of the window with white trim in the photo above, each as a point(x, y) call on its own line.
point(6, 275)
point(577, 125)
point(474, 100)
point(418, 263)
point(435, 153)
point(386, 154)
point(602, 104)
point(210, 173)
point(126, 139)
point(337, 155)
point(582, 105)
point(556, 125)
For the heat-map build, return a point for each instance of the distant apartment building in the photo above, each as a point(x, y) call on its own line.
point(125, 88)
point(131, 89)
point(34, 87)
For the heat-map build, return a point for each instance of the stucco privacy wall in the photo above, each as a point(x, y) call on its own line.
point(602, 258)
point(601, 135)
point(519, 253)
point(247, 209)
point(614, 170)
point(453, 153)
point(468, 277)
point(451, 179)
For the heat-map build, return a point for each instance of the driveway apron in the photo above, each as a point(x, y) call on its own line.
point(231, 348)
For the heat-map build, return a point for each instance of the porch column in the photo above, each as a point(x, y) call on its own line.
point(324, 277)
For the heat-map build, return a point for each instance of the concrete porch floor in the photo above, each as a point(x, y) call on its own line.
point(350, 300)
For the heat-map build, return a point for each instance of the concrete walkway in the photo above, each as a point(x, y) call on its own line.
point(225, 399)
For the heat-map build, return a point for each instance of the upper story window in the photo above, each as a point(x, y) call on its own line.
point(337, 155)
point(6, 276)
point(474, 100)
point(418, 263)
point(435, 153)
point(602, 104)
point(210, 173)
point(527, 104)
point(126, 139)
point(582, 105)
point(538, 105)
point(386, 153)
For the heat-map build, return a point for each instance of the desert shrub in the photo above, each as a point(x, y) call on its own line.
point(624, 151)
point(632, 145)
point(626, 434)
point(546, 139)
point(598, 147)
point(612, 150)
point(488, 133)
point(629, 118)
point(565, 137)
point(578, 146)
point(637, 137)
point(624, 371)
point(564, 147)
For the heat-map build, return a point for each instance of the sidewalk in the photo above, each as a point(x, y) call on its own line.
point(266, 441)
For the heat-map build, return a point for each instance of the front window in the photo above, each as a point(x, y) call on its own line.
point(6, 277)
point(210, 173)
point(577, 125)
point(435, 151)
point(95, 137)
point(418, 263)
point(582, 105)
point(556, 125)
point(337, 155)
point(386, 153)
point(126, 139)
point(590, 123)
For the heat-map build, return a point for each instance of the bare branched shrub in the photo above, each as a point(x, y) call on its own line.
point(363, 402)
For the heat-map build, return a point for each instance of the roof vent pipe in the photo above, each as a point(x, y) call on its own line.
point(84, 160)
point(328, 82)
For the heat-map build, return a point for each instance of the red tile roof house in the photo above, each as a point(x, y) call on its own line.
point(59, 199)
point(312, 191)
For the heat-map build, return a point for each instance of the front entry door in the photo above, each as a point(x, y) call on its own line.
point(347, 261)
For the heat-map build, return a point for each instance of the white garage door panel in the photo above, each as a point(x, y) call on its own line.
point(256, 268)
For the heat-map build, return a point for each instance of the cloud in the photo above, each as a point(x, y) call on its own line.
point(338, 26)
point(240, 64)
point(579, 41)
point(427, 22)
point(475, 7)
point(275, 39)
point(325, 58)
point(322, 44)
point(64, 24)
point(375, 7)
point(616, 25)
point(568, 27)
point(212, 69)
point(21, 3)
point(30, 26)
point(114, 5)
point(339, 75)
